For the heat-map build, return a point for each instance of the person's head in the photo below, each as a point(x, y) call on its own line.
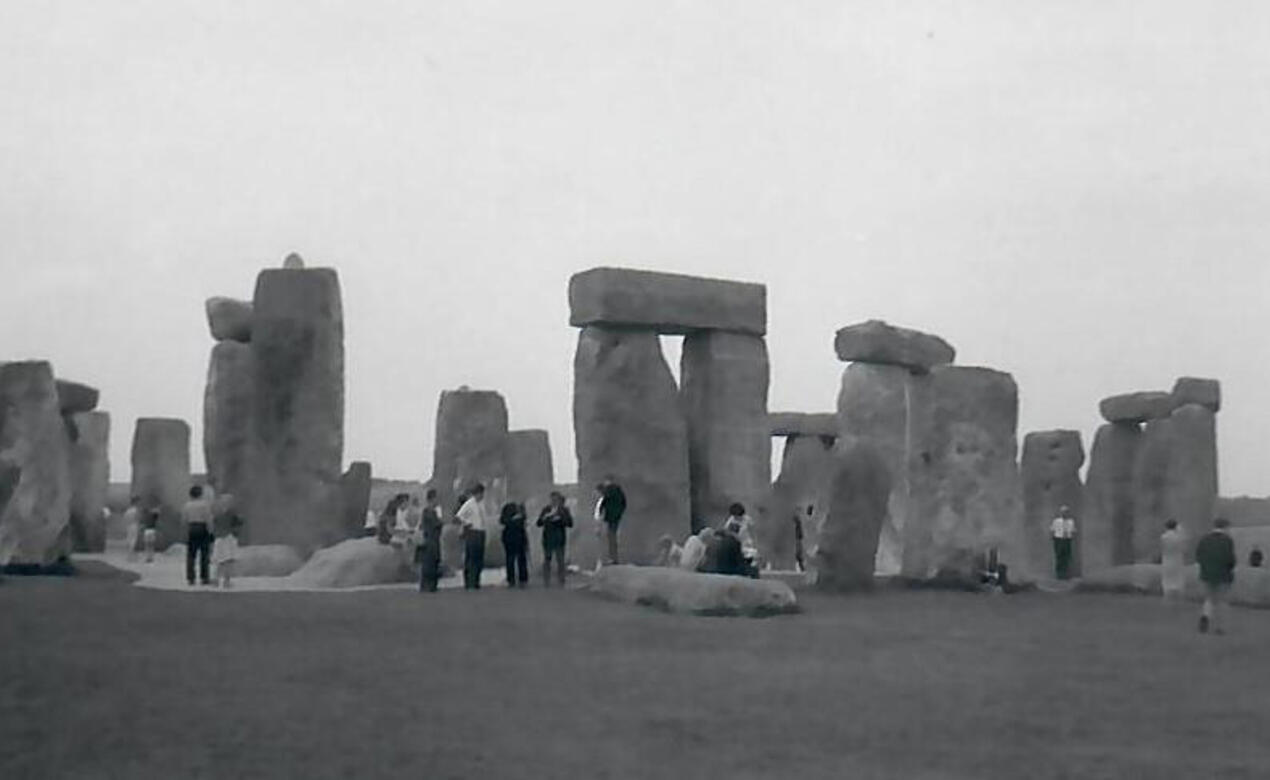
point(736, 510)
point(557, 499)
point(1064, 511)
point(665, 542)
point(1221, 524)
point(478, 491)
point(1171, 525)
point(705, 534)
point(196, 492)
point(431, 496)
point(810, 510)
point(599, 487)
point(509, 510)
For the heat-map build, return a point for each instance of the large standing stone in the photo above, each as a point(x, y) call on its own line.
point(878, 342)
point(806, 468)
point(666, 303)
point(90, 478)
point(161, 473)
point(873, 406)
point(227, 417)
point(1106, 533)
point(34, 466)
point(297, 449)
point(1151, 489)
point(470, 447)
point(1050, 470)
point(1193, 390)
point(724, 382)
point(355, 488)
point(229, 319)
point(1192, 485)
point(1137, 407)
point(855, 508)
point(628, 424)
point(530, 479)
point(74, 397)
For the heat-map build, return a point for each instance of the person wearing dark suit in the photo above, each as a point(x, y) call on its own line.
point(555, 520)
point(430, 550)
point(609, 510)
point(1215, 555)
point(515, 544)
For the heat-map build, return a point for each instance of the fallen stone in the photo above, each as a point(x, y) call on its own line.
point(1137, 407)
point(161, 473)
point(806, 468)
point(803, 424)
point(1193, 390)
point(355, 488)
point(266, 560)
point(227, 417)
point(1106, 535)
point(690, 593)
point(74, 397)
point(229, 319)
point(1050, 471)
point(1192, 478)
point(34, 467)
point(875, 341)
point(90, 478)
point(855, 510)
point(666, 303)
point(353, 563)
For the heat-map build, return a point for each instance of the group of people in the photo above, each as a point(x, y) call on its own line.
point(212, 531)
point(728, 549)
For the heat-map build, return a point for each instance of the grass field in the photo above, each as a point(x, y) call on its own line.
point(101, 679)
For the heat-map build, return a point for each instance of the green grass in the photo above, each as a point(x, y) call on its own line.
point(101, 679)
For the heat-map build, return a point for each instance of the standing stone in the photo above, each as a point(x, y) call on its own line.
point(227, 417)
point(873, 406)
point(1151, 488)
point(855, 508)
point(724, 398)
point(161, 473)
point(806, 468)
point(1050, 470)
point(229, 319)
point(297, 446)
point(530, 480)
point(1192, 485)
point(90, 478)
point(74, 397)
point(1193, 390)
point(355, 490)
point(34, 467)
point(1106, 533)
point(470, 447)
point(627, 423)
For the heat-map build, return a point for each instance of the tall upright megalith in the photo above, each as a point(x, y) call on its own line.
point(34, 466)
point(470, 444)
point(530, 478)
point(355, 491)
point(1192, 483)
point(854, 507)
point(1050, 470)
point(806, 468)
point(1106, 530)
point(228, 413)
point(297, 429)
point(1151, 472)
point(161, 473)
point(90, 478)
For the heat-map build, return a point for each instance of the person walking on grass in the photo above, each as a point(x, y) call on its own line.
point(430, 550)
point(515, 544)
point(555, 522)
point(225, 550)
point(1215, 555)
point(1063, 534)
point(471, 517)
point(1172, 562)
point(609, 509)
point(197, 515)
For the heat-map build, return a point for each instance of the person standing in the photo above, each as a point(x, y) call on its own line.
point(1172, 562)
point(471, 517)
point(150, 532)
point(225, 550)
point(197, 514)
point(554, 520)
point(800, 554)
point(515, 543)
point(430, 550)
point(1063, 534)
point(742, 526)
point(608, 511)
point(132, 526)
point(1215, 555)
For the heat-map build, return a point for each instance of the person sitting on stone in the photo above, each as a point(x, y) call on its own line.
point(739, 524)
point(668, 553)
point(693, 552)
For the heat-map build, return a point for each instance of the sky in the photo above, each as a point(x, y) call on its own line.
point(1077, 193)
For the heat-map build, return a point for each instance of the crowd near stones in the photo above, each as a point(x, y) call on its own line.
point(916, 476)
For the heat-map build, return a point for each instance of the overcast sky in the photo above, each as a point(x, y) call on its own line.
point(1076, 192)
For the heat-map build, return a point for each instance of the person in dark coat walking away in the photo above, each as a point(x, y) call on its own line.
point(555, 520)
point(515, 544)
point(430, 550)
point(609, 510)
point(1215, 555)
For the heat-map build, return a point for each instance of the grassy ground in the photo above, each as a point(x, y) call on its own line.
point(100, 679)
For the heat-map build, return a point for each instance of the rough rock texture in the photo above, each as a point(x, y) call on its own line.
point(627, 423)
point(530, 479)
point(229, 319)
point(1106, 533)
point(355, 488)
point(297, 426)
point(90, 477)
point(266, 560)
point(74, 397)
point(806, 467)
point(971, 499)
point(227, 417)
point(803, 424)
point(878, 342)
point(1151, 489)
point(873, 406)
point(34, 467)
point(161, 473)
point(1193, 390)
point(353, 563)
point(293, 262)
point(855, 507)
point(666, 303)
point(1050, 471)
point(1192, 485)
point(470, 447)
point(1137, 407)
point(723, 391)
point(689, 593)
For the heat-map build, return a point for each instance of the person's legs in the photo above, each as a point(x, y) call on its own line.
point(469, 559)
point(1058, 557)
point(480, 559)
point(226, 574)
point(509, 561)
point(191, 551)
point(560, 565)
point(611, 531)
point(522, 564)
point(204, 560)
point(1219, 609)
point(1206, 611)
point(547, 552)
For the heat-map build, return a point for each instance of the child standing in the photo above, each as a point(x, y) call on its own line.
point(225, 552)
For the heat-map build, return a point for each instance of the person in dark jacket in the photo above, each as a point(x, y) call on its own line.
point(554, 520)
point(1215, 555)
point(609, 510)
point(515, 542)
point(430, 550)
point(728, 554)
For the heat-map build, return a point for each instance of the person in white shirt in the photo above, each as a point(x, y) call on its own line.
point(471, 517)
point(225, 551)
point(694, 550)
point(197, 514)
point(132, 526)
point(371, 526)
point(1063, 535)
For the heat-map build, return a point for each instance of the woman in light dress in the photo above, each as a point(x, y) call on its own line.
point(1172, 561)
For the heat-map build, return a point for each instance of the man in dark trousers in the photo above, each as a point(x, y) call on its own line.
point(609, 510)
point(430, 550)
point(555, 520)
point(198, 515)
point(1215, 555)
point(472, 517)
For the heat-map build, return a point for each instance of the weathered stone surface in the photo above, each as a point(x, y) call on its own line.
point(1106, 533)
point(161, 473)
point(355, 488)
point(1251, 587)
point(803, 424)
point(628, 424)
point(227, 417)
point(1050, 471)
point(266, 560)
point(806, 467)
point(34, 467)
point(1137, 407)
point(876, 341)
point(470, 447)
point(855, 510)
point(90, 477)
point(969, 501)
point(353, 563)
point(74, 397)
point(1192, 485)
point(1151, 489)
point(530, 478)
point(666, 303)
point(297, 427)
point(873, 406)
point(293, 262)
point(229, 319)
point(723, 391)
point(1194, 390)
point(690, 593)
